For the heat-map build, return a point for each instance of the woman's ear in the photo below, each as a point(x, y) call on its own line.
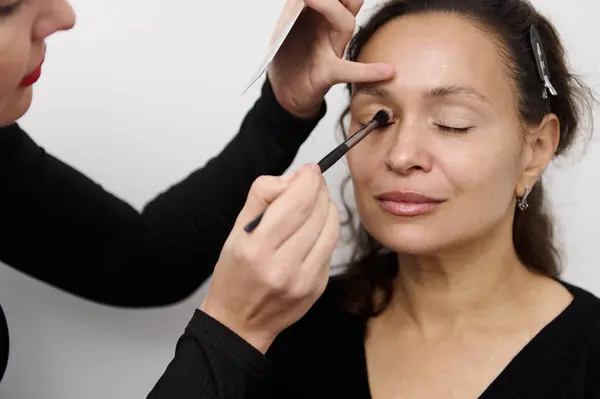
point(542, 141)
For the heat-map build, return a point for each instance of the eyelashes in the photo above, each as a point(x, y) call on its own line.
point(361, 125)
point(452, 129)
point(391, 121)
point(443, 128)
point(9, 9)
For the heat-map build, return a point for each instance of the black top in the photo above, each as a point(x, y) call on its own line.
point(60, 227)
point(322, 356)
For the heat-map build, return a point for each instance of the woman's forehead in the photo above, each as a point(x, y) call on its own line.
point(441, 50)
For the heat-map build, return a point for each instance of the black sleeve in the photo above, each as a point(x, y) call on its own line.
point(60, 227)
point(212, 362)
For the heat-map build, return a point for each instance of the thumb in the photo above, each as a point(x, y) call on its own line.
point(358, 72)
point(263, 192)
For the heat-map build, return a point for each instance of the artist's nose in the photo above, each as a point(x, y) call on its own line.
point(55, 16)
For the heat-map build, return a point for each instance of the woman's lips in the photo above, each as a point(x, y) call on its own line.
point(404, 203)
point(32, 77)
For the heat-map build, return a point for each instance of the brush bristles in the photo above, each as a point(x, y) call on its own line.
point(382, 118)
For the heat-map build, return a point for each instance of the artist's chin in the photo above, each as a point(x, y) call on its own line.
point(16, 107)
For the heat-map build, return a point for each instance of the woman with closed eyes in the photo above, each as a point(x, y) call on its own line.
point(454, 290)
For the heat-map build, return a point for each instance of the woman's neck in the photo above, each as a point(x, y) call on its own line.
point(461, 289)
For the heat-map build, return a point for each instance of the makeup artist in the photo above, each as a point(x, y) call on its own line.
point(62, 228)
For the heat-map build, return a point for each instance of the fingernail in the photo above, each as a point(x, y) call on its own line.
point(315, 167)
point(385, 70)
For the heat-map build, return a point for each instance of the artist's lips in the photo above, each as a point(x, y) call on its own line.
point(33, 76)
point(408, 203)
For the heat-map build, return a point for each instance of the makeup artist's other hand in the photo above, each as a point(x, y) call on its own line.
point(267, 280)
point(311, 60)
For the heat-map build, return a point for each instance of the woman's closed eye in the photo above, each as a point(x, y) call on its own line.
point(441, 126)
point(363, 122)
point(453, 129)
point(453, 118)
point(8, 9)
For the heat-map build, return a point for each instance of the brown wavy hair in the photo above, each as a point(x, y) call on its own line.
point(372, 269)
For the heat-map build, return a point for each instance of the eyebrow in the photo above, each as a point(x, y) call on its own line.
point(371, 89)
point(376, 90)
point(448, 91)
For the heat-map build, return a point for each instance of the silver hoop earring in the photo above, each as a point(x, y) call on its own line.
point(522, 201)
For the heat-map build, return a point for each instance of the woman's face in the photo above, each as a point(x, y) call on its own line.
point(446, 172)
point(24, 25)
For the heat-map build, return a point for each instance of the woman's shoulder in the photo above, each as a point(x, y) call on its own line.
point(586, 307)
point(584, 301)
point(582, 318)
point(582, 315)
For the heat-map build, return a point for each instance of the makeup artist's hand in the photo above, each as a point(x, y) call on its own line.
point(311, 60)
point(267, 280)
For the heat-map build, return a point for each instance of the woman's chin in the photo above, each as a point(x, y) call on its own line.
point(412, 241)
point(16, 107)
point(415, 248)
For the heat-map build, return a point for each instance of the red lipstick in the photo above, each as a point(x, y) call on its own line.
point(32, 77)
point(405, 203)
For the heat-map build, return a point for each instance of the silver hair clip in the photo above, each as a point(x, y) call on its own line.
point(541, 61)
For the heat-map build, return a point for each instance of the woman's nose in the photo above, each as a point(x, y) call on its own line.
point(408, 150)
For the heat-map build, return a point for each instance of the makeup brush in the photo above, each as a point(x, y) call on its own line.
point(380, 119)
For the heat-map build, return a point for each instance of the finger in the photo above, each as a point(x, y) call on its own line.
point(264, 190)
point(298, 245)
point(353, 6)
point(338, 16)
point(339, 40)
point(291, 209)
point(316, 266)
point(346, 71)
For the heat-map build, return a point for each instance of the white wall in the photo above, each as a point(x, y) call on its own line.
point(138, 79)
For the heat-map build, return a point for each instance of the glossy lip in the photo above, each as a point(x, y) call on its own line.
point(33, 76)
point(408, 203)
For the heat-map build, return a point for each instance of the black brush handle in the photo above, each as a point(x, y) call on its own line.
point(330, 159)
point(254, 223)
point(380, 119)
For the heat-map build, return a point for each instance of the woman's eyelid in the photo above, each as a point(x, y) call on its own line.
point(364, 116)
point(454, 123)
point(456, 114)
point(452, 115)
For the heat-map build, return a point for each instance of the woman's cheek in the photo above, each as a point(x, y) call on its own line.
point(363, 164)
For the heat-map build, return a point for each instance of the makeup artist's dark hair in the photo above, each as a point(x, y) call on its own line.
point(370, 273)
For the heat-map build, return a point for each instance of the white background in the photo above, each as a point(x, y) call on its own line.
point(138, 79)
